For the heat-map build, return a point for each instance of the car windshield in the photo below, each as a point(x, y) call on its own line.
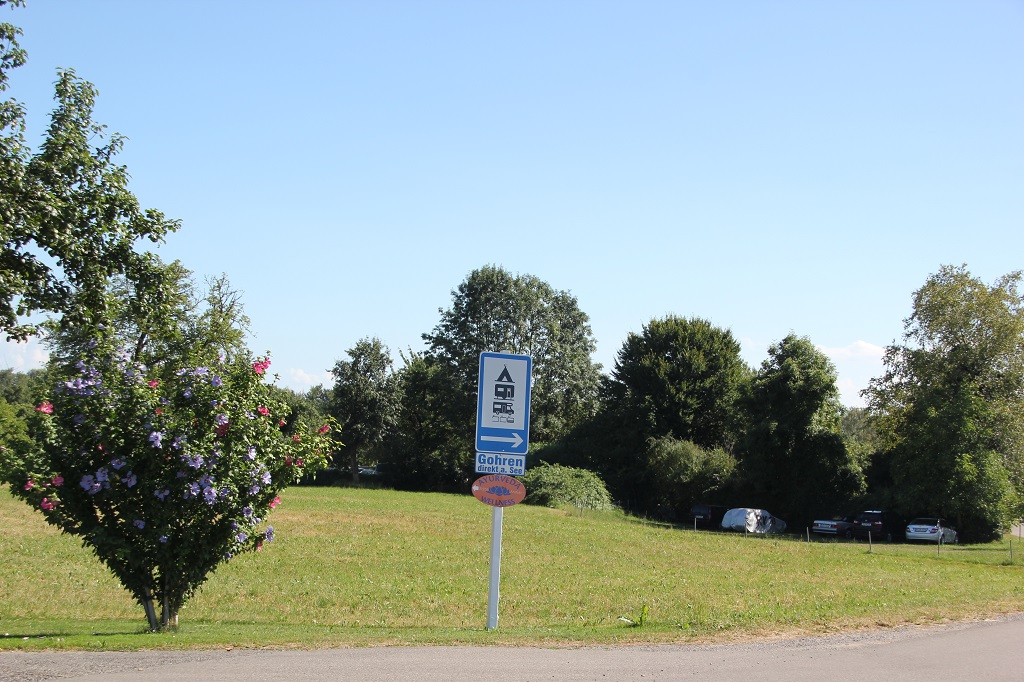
point(924, 522)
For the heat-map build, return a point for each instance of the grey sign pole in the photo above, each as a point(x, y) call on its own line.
point(497, 516)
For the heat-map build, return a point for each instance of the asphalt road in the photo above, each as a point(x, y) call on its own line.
point(986, 650)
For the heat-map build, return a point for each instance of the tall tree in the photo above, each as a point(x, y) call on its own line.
point(667, 410)
point(950, 405)
point(365, 398)
point(680, 377)
point(68, 222)
point(428, 448)
point(493, 310)
point(794, 457)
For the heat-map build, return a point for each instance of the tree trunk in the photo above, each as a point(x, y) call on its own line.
point(169, 615)
point(147, 604)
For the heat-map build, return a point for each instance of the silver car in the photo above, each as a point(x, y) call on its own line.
point(931, 530)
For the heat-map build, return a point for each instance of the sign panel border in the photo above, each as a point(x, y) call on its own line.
point(513, 441)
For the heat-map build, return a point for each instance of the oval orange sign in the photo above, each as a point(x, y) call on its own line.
point(499, 490)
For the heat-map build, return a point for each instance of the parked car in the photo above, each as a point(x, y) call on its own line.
point(839, 526)
point(931, 530)
point(880, 525)
point(707, 515)
point(747, 520)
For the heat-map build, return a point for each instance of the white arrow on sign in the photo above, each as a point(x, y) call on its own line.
point(515, 439)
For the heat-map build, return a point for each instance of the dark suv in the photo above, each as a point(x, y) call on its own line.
point(881, 525)
point(707, 515)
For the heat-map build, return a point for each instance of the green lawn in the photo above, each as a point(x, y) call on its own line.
point(355, 567)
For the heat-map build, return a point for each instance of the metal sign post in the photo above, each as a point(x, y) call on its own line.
point(497, 515)
point(502, 439)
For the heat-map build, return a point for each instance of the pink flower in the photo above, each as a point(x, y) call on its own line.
point(298, 462)
point(57, 481)
point(295, 438)
point(221, 430)
point(259, 545)
point(277, 501)
point(323, 429)
point(287, 460)
point(29, 485)
point(281, 423)
point(46, 504)
point(260, 366)
point(264, 411)
point(154, 383)
point(46, 407)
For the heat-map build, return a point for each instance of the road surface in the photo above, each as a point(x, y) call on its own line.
point(985, 650)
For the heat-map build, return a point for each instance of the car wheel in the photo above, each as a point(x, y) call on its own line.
point(848, 534)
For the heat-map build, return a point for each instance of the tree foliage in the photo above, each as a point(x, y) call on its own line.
point(794, 457)
point(428, 448)
point(679, 377)
point(68, 222)
point(950, 404)
point(493, 310)
point(681, 473)
point(365, 398)
point(553, 485)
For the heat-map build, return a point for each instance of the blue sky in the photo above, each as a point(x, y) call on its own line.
point(773, 167)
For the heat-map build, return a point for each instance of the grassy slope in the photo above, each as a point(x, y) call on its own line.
point(368, 567)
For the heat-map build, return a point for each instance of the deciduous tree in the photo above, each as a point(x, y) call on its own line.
point(68, 222)
point(794, 458)
point(365, 398)
point(493, 310)
point(679, 377)
point(950, 404)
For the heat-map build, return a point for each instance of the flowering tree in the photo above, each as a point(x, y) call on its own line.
point(164, 473)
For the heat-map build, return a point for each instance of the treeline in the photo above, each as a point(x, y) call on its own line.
point(681, 419)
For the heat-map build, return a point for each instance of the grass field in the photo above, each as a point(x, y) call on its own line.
point(359, 567)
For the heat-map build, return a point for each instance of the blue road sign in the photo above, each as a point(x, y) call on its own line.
point(503, 403)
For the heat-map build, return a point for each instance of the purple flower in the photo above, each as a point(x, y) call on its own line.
point(139, 523)
point(251, 454)
point(269, 534)
point(102, 475)
point(187, 393)
point(265, 477)
point(178, 441)
point(89, 484)
point(117, 463)
point(216, 382)
point(254, 489)
point(247, 512)
point(192, 491)
point(155, 438)
point(242, 537)
point(234, 525)
point(163, 538)
point(162, 494)
point(130, 479)
point(209, 495)
point(221, 419)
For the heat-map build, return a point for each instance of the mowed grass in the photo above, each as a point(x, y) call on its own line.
point(360, 567)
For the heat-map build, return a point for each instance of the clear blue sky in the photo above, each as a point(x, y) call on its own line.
point(770, 166)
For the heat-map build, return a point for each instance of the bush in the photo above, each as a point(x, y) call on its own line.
point(553, 485)
point(681, 473)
